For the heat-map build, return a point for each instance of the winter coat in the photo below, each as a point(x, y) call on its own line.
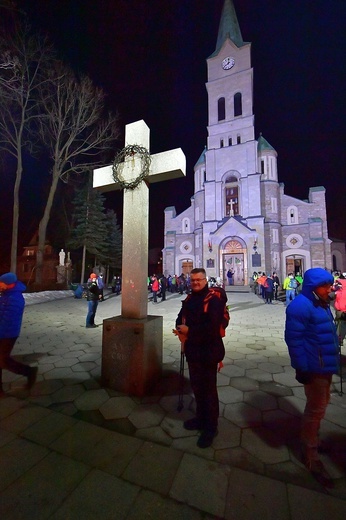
point(203, 342)
point(310, 331)
point(93, 291)
point(11, 311)
point(269, 285)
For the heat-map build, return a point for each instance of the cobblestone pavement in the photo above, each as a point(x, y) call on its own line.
point(72, 449)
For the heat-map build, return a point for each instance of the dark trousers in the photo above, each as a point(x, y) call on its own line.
point(203, 382)
point(92, 307)
point(7, 362)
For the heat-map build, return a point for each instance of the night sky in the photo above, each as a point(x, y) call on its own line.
point(149, 56)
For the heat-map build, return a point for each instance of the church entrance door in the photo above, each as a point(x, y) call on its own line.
point(235, 262)
point(186, 267)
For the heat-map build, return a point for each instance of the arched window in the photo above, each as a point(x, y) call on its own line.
point(231, 197)
point(238, 139)
point(238, 109)
point(186, 225)
point(292, 215)
point(221, 109)
point(221, 143)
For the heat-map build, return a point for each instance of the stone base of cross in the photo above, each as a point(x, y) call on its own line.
point(134, 304)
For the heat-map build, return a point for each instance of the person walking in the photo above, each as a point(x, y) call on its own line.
point(276, 281)
point(269, 289)
point(290, 285)
point(155, 287)
point(12, 305)
point(101, 285)
point(230, 274)
point(310, 334)
point(93, 297)
point(198, 327)
point(163, 283)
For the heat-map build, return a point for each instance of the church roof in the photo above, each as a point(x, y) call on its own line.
point(201, 159)
point(228, 28)
point(263, 144)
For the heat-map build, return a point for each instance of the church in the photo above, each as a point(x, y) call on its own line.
point(240, 217)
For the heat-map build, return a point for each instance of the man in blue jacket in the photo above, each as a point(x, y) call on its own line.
point(11, 314)
point(312, 341)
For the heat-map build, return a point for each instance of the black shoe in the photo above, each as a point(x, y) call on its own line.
point(193, 424)
point(32, 377)
point(206, 438)
point(91, 326)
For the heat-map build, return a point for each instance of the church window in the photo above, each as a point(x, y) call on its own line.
point(186, 225)
point(238, 139)
point(230, 141)
point(238, 109)
point(292, 215)
point(274, 204)
point(221, 143)
point(262, 166)
point(221, 109)
point(275, 236)
point(231, 197)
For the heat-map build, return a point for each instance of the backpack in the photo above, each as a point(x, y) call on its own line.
point(220, 293)
point(293, 283)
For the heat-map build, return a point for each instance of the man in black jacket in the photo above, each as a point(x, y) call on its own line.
point(198, 326)
point(93, 297)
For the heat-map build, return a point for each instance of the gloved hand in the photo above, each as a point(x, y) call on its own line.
point(303, 377)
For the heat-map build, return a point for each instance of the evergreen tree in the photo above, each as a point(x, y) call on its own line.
point(89, 228)
point(111, 255)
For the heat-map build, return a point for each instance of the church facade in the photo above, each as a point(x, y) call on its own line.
point(240, 218)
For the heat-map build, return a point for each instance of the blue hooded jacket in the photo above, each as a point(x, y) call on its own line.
point(310, 331)
point(11, 311)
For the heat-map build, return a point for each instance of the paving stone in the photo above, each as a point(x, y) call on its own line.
point(272, 368)
point(273, 388)
point(145, 416)
point(260, 400)
point(152, 505)
point(155, 434)
point(229, 435)
point(91, 400)
point(228, 395)
point(256, 373)
point(24, 418)
point(244, 383)
point(46, 387)
point(153, 467)
point(305, 503)
point(9, 406)
point(254, 496)
point(83, 367)
point(49, 428)
point(68, 393)
point(117, 407)
point(17, 457)
point(191, 487)
point(265, 445)
point(57, 475)
point(233, 371)
point(242, 414)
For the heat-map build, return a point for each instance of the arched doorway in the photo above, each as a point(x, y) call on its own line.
point(186, 267)
point(234, 258)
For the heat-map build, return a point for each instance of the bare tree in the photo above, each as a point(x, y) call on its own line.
point(76, 131)
point(23, 58)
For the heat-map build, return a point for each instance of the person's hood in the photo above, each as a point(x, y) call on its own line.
point(19, 287)
point(314, 278)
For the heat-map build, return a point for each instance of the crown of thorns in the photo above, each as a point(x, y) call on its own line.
point(131, 151)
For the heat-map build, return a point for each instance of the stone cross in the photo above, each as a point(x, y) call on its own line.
point(164, 166)
point(231, 203)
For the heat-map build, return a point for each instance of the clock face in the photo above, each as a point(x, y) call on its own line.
point(228, 63)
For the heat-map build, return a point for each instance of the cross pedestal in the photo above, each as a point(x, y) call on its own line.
point(132, 342)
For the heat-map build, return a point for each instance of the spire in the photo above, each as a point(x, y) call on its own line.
point(201, 159)
point(229, 27)
point(263, 144)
